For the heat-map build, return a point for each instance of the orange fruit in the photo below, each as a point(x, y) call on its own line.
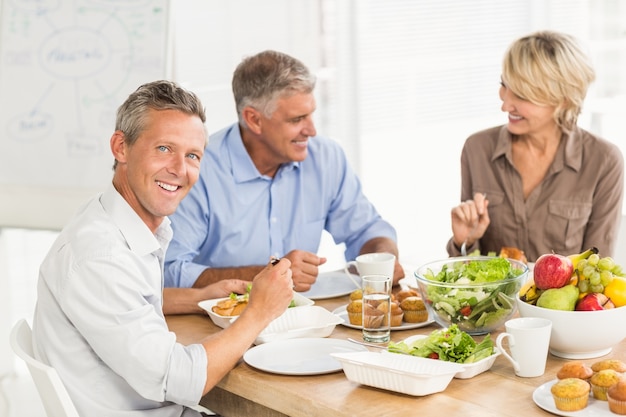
point(616, 291)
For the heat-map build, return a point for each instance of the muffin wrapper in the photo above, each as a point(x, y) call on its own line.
point(571, 404)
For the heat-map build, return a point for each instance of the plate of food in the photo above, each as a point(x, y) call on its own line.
point(224, 310)
point(305, 356)
point(343, 313)
point(332, 284)
point(542, 396)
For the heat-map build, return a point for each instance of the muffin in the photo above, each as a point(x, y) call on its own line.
point(616, 396)
point(373, 317)
point(575, 369)
point(355, 312)
point(356, 294)
point(383, 307)
point(414, 310)
point(396, 315)
point(615, 364)
point(402, 294)
point(602, 380)
point(570, 394)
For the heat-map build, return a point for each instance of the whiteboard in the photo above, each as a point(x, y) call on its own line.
point(65, 67)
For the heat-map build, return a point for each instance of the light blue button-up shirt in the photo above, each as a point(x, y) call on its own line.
point(234, 216)
point(99, 318)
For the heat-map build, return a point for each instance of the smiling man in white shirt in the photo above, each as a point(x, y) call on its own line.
point(99, 317)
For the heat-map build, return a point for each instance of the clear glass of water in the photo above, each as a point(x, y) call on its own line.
point(376, 308)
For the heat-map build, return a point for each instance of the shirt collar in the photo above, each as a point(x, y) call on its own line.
point(243, 167)
point(139, 237)
point(574, 149)
point(571, 142)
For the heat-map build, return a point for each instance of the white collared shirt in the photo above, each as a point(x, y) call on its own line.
point(99, 318)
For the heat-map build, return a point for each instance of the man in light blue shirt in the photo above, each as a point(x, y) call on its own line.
point(99, 319)
point(269, 186)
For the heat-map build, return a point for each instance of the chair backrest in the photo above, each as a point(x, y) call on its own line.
point(56, 401)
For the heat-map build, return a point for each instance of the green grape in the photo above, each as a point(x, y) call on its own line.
point(596, 288)
point(589, 270)
point(606, 277)
point(594, 278)
point(581, 265)
point(583, 285)
point(606, 264)
point(617, 271)
point(593, 259)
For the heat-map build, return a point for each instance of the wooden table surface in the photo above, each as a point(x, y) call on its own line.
point(246, 391)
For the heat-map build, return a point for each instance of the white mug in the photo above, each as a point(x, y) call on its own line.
point(529, 340)
point(373, 264)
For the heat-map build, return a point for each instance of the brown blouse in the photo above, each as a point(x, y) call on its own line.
point(577, 205)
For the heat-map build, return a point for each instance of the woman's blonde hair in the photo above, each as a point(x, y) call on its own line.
point(549, 68)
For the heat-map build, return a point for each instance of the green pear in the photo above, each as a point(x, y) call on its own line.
point(563, 298)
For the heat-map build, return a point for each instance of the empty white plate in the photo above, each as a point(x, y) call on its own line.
point(332, 284)
point(305, 356)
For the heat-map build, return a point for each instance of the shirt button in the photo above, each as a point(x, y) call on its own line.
point(273, 220)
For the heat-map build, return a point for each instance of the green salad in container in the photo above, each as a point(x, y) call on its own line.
point(475, 293)
point(449, 344)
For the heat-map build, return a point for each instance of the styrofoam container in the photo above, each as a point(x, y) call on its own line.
point(471, 369)
point(224, 321)
point(304, 321)
point(396, 372)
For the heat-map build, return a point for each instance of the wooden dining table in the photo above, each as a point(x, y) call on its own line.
point(246, 391)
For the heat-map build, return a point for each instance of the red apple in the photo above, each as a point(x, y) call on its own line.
point(594, 301)
point(552, 271)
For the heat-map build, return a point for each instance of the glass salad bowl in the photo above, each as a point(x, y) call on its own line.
point(477, 293)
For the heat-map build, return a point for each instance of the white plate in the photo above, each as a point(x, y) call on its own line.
point(305, 356)
point(595, 408)
point(341, 312)
point(409, 282)
point(332, 284)
point(471, 369)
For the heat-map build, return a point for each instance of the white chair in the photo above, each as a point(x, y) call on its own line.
point(56, 401)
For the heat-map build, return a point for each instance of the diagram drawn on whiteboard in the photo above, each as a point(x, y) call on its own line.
point(65, 67)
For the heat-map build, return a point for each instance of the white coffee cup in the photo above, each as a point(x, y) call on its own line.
point(373, 264)
point(529, 340)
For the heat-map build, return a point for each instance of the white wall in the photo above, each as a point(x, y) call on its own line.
point(210, 37)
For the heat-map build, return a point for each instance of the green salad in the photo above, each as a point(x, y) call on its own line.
point(450, 344)
point(481, 300)
point(246, 296)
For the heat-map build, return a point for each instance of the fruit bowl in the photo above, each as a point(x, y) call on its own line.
point(477, 293)
point(580, 334)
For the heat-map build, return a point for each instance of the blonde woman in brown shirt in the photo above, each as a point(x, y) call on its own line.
point(540, 183)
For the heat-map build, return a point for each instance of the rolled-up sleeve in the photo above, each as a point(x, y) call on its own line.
point(186, 375)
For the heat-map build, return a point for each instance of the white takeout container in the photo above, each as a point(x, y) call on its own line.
point(471, 369)
point(304, 321)
point(224, 321)
point(396, 372)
